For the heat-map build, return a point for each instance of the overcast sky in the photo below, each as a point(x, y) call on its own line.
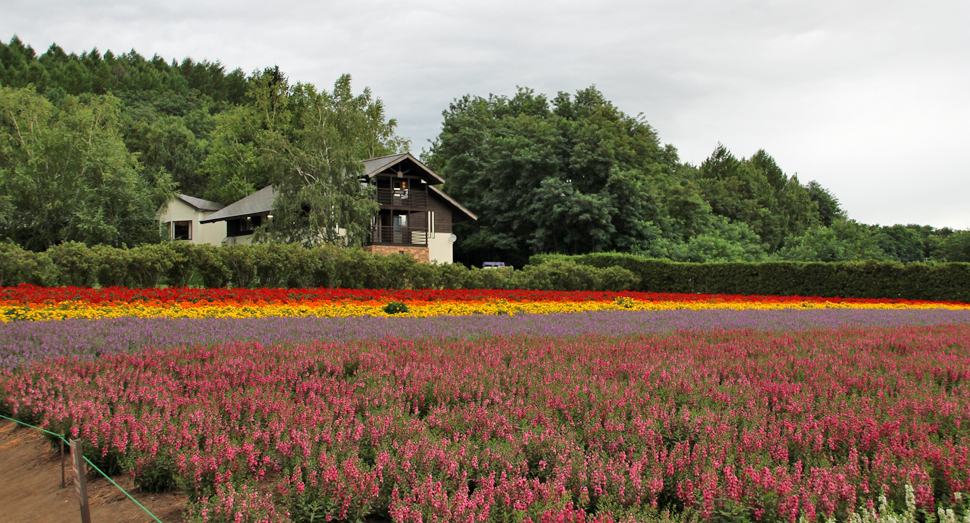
point(870, 98)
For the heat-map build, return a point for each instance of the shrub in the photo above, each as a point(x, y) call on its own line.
point(22, 266)
point(147, 264)
point(184, 258)
point(359, 270)
point(395, 307)
point(392, 271)
point(112, 265)
point(241, 262)
point(276, 265)
point(329, 267)
point(423, 276)
point(76, 265)
point(299, 266)
point(452, 275)
point(564, 275)
point(211, 265)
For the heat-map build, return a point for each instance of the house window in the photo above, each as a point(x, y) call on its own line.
point(182, 230)
point(243, 226)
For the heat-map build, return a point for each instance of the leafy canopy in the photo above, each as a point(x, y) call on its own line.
point(576, 175)
point(66, 175)
point(309, 145)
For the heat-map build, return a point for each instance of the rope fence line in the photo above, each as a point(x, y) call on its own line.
point(61, 438)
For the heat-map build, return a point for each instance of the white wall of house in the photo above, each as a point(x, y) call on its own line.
point(440, 248)
point(177, 212)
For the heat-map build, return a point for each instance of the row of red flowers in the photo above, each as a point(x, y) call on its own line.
point(31, 294)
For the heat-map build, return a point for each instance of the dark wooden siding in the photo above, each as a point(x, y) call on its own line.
point(442, 214)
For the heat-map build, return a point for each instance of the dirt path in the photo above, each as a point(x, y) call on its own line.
point(30, 487)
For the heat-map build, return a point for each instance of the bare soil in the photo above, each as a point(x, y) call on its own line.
point(30, 487)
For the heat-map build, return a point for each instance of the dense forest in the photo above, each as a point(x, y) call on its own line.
point(92, 144)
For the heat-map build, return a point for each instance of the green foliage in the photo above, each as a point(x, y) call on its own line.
point(151, 473)
point(309, 145)
point(147, 265)
point(65, 174)
point(18, 266)
point(76, 264)
point(726, 241)
point(292, 266)
point(954, 247)
point(112, 265)
point(165, 109)
point(284, 266)
point(166, 148)
point(841, 241)
point(571, 176)
point(829, 209)
point(576, 175)
point(242, 263)
point(395, 307)
point(233, 168)
point(563, 275)
point(907, 243)
point(128, 73)
point(211, 266)
point(866, 279)
point(184, 261)
point(757, 193)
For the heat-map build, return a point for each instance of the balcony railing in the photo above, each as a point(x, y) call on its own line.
point(399, 235)
point(402, 198)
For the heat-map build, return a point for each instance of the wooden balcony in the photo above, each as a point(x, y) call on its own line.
point(391, 235)
point(408, 199)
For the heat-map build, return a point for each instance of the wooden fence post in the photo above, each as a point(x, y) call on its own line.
point(63, 479)
point(80, 480)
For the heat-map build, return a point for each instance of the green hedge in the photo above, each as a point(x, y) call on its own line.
point(290, 266)
point(281, 266)
point(915, 281)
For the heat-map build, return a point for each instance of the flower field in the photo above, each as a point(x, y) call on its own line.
point(27, 302)
point(638, 408)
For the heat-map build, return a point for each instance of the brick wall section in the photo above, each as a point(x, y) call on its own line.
point(418, 253)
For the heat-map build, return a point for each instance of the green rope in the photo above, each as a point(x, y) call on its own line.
point(61, 437)
point(123, 490)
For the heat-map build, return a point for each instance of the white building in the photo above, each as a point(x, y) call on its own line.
point(240, 219)
point(182, 218)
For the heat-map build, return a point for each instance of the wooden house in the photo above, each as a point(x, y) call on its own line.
point(415, 217)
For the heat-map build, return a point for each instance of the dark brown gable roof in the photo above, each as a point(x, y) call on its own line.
point(260, 202)
point(375, 166)
point(200, 204)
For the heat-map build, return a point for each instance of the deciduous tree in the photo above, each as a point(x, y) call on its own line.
point(309, 145)
point(65, 174)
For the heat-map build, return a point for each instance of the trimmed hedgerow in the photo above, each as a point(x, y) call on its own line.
point(914, 281)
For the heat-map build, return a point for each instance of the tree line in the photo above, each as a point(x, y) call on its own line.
point(575, 175)
point(92, 144)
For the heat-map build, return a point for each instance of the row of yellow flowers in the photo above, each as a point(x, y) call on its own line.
point(86, 310)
